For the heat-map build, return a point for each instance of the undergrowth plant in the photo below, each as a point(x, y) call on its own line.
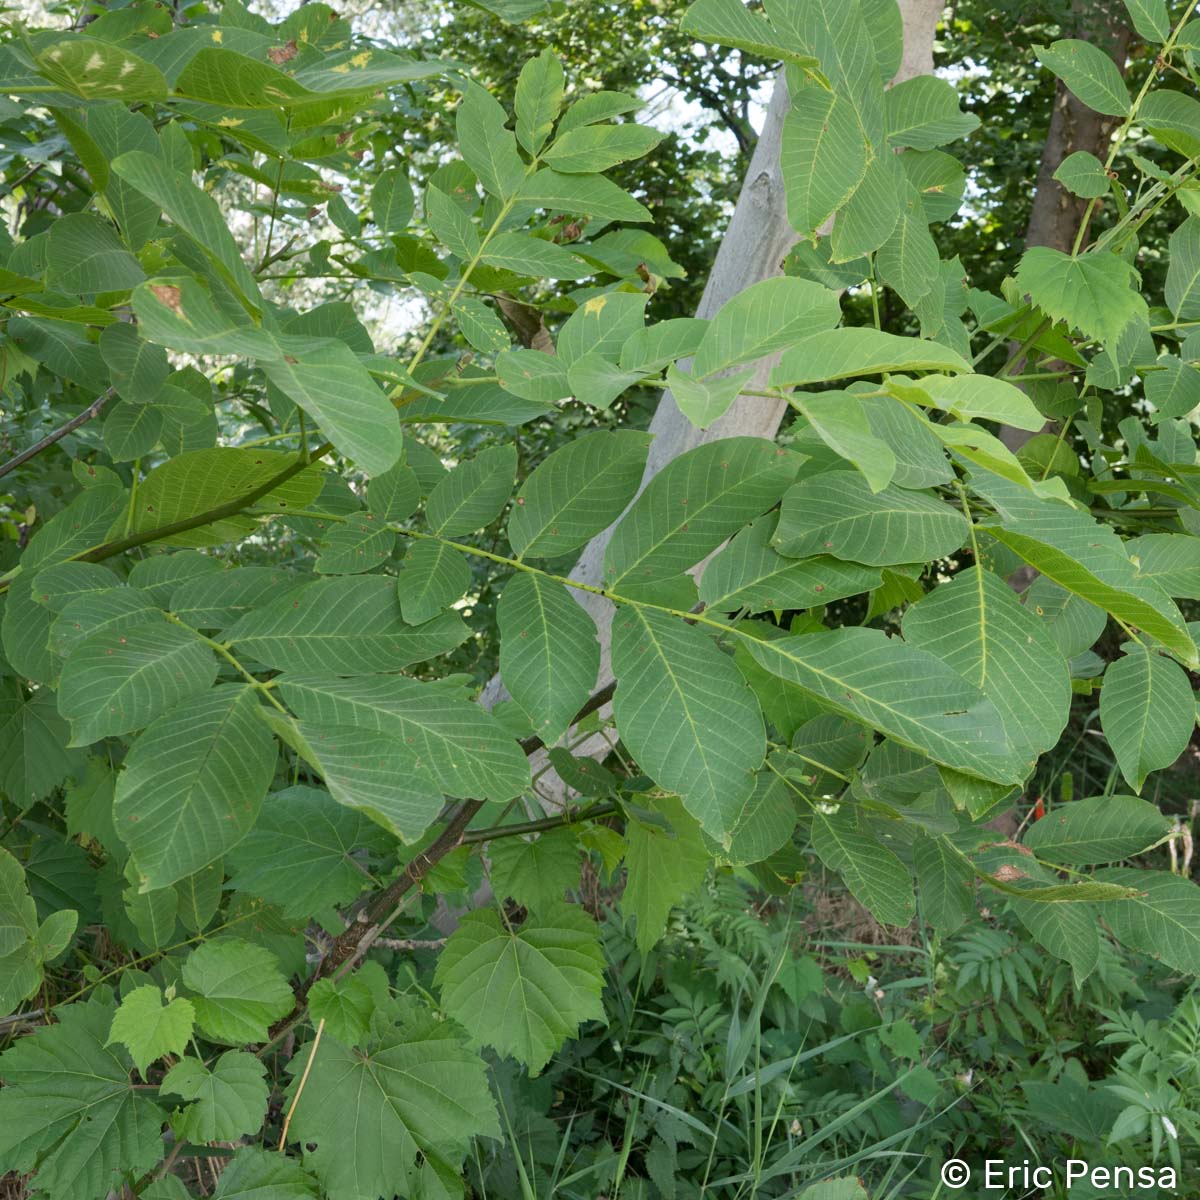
point(239, 548)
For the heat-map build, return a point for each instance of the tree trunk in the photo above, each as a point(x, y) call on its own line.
point(1056, 212)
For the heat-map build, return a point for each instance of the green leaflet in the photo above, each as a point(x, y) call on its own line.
point(905, 693)
point(326, 379)
point(192, 483)
point(418, 1089)
point(1083, 174)
point(876, 877)
point(392, 200)
point(762, 319)
point(692, 505)
point(976, 625)
point(65, 1087)
point(843, 353)
point(98, 70)
point(432, 577)
point(237, 989)
point(946, 884)
point(349, 625)
point(523, 991)
point(923, 113)
point(254, 1174)
point(1162, 920)
point(120, 680)
point(85, 255)
point(687, 715)
point(549, 655)
point(1171, 560)
point(836, 513)
point(298, 854)
point(490, 150)
point(538, 99)
point(579, 490)
point(193, 783)
point(1083, 557)
point(472, 495)
point(464, 748)
point(1089, 73)
point(750, 573)
point(595, 148)
point(823, 156)
point(1182, 290)
point(1102, 829)
point(1147, 712)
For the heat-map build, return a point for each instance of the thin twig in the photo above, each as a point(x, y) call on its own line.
point(58, 434)
point(287, 1121)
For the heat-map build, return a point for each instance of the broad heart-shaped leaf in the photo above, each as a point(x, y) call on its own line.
point(877, 879)
point(148, 1028)
point(465, 749)
point(192, 784)
point(84, 254)
point(763, 318)
point(473, 494)
point(1093, 292)
point(823, 156)
point(69, 1110)
point(199, 480)
point(194, 211)
point(254, 1174)
point(523, 991)
point(345, 1005)
point(693, 504)
point(119, 680)
point(749, 573)
point(346, 624)
point(1163, 920)
point(549, 655)
point(686, 714)
point(1089, 73)
point(1147, 712)
point(1099, 830)
point(327, 380)
point(536, 872)
point(1082, 556)
point(844, 353)
point(579, 490)
point(1182, 290)
point(976, 625)
point(664, 865)
point(372, 772)
point(905, 693)
point(836, 513)
point(237, 989)
point(230, 1098)
point(433, 576)
point(418, 1089)
point(300, 853)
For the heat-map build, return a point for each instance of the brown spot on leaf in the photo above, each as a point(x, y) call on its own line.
point(169, 295)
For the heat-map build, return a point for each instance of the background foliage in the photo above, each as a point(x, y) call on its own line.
point(326, 346)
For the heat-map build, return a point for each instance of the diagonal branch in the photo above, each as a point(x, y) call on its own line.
point(58, 434)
